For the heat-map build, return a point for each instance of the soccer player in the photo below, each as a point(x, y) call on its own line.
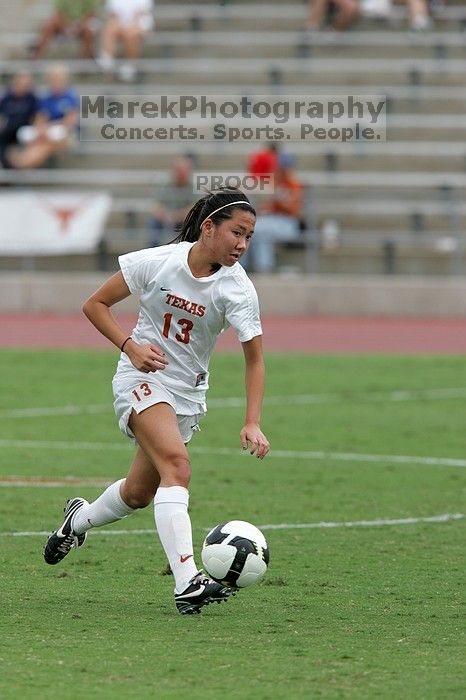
point(191, 290)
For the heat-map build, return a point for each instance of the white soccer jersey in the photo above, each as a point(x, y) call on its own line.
point(184, 314)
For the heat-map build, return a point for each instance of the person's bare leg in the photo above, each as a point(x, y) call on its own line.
point(109, 38)
point(418, 14)
point(348, 11)
point(86, 36)
point(55, 25)
point(33, 155)
point(132, 42)
point(122, 497)
point(157, 432)
point(142, 482)
point(316, 13)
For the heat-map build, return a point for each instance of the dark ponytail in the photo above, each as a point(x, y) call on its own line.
point(203, 209)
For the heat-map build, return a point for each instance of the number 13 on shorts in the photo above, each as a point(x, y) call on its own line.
point(141, 395)
point(141, 392)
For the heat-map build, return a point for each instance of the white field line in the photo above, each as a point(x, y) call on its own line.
point(41, 411)
point(53, 483)
point(383, 522)
point(229, 451)
point(239, 402)
point(306, 399)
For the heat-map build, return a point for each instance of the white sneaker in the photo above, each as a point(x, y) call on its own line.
point(127, 72)
point(105, 62)
point(421, 23)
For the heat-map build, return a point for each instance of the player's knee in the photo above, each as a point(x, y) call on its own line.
point(181, 469)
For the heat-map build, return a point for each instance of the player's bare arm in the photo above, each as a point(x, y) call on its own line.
point(146, 358)
point(251, 433)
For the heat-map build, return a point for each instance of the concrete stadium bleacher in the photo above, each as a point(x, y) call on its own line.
point(399, 205)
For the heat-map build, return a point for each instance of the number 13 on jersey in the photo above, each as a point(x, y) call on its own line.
point(186, 327)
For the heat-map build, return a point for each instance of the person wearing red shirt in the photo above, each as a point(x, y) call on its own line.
point(279, 217)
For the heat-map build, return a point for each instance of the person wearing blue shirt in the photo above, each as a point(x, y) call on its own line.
point(54, 125)
point(56, 105)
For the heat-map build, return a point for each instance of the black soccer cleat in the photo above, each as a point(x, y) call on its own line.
point(200, 591)
point(62, 540)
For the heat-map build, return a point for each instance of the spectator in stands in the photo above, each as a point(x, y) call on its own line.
point(177, 200)
point(54, 125)
point(376, 9)
point(71, 18)
point(264, 161)
point(418, 15)
point(280, 217)
point(127, 21)
point(18, 108)
point(345, 12)
point(418, 11)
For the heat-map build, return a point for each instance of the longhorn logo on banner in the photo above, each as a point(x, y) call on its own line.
point(58, 223)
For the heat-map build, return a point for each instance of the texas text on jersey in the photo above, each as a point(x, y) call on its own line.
point(184, 314)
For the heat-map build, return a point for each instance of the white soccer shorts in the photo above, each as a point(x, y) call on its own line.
point(137, 391)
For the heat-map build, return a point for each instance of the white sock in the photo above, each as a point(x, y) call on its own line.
point(108, 508)
point(174, 529)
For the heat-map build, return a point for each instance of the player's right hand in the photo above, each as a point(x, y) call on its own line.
point(146, 358)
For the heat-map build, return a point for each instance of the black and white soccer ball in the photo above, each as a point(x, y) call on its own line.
point(235, 554)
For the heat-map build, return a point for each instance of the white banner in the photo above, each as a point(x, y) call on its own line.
point(52, 223)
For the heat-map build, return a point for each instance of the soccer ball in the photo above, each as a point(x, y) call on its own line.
point(235, 554)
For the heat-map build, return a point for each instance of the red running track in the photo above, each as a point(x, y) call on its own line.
point(314, 334)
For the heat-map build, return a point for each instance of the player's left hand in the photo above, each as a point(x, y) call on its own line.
point(252, 436)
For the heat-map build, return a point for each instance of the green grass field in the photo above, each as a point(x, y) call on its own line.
point(364, 612)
